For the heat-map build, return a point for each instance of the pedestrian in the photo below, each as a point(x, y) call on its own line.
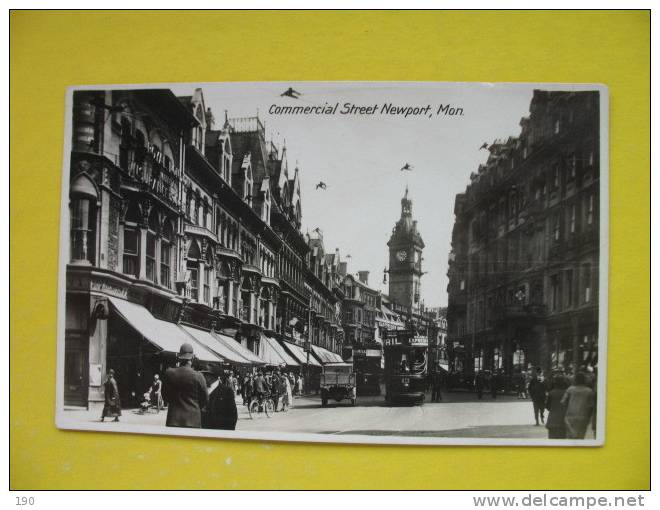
point(222, 412)
point(260, 386)
point(479, 383)
point(289, 392)
point(185, 391)
point(275, 386)
point(579, 400)
point(295, 385)
point(247, 389)
point(536, 390)
point(556, 410)
point(436, 383)
point(112, 406)
point(156, 392)
point(233, 383)
point(300, 383)
point(285, 391)
point(494, 384)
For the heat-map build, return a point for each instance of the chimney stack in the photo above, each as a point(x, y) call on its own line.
point(363, 276)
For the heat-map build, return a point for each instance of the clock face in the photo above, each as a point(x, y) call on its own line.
point(401, 255)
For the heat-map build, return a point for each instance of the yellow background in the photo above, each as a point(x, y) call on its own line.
point(52, 50)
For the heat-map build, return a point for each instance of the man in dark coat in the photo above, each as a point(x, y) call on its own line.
point(436, 384)
point(111, 407)
point(479, 383)
point(275, 388)
point(222, 412)
point(185, 391)
point(537, 392)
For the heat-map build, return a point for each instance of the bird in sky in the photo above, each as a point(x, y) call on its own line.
point(291, 93)
point(484, 146)
point(321, 185)
point(407, 167)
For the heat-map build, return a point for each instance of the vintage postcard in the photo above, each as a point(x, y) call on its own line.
point(362, 262)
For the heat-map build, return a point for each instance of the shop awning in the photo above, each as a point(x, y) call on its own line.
point(300, 354)
point(167, 336)
point(216, 345)
point(326, 356)
point(239, 349)
point(274, 354)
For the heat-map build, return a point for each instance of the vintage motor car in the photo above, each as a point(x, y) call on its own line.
point(338, 383)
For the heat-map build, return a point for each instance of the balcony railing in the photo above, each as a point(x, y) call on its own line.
point(154, 177)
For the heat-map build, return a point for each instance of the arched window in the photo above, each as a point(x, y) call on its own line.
point(152, 241)
point(131, 254)
point(83, 220)
point(166, 254)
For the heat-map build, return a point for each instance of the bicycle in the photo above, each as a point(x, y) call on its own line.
point(260, 406)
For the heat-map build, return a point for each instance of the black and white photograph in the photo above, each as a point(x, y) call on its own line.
point(346, 262)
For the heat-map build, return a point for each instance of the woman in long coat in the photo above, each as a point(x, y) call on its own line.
point(112, 406)
point(556, 410)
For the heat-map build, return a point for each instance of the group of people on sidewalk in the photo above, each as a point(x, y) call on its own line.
point(570, 402)
point(194, 404)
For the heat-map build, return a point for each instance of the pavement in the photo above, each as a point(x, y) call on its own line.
point(460, 414)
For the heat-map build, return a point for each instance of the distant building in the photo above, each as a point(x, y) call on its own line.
point(523, 268)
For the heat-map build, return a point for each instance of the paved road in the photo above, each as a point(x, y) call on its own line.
point(459, 415)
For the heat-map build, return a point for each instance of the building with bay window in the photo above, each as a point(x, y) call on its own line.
point(524, 263)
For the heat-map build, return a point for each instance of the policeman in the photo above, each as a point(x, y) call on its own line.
point(185, 391)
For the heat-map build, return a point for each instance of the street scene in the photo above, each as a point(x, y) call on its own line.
point(392, 260)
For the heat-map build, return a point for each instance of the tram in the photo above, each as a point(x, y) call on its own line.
point(406, 367)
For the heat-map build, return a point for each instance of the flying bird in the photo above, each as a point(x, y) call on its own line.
point(321, 185)
point(407, 167)
point(484, 146)
point(290, 93)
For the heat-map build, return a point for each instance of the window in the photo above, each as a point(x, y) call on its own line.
point(555, 289)
point(569, 288)
point(83, 230)
point(556, 228)
point(557, 126)
point(572, 166)
point(555, 178)
point(193, 272)
point(166, 255)
point(152, 247)
point(591, 158)
point(590, 210)
point(151, 256)
point(246, 305)
point(207, 284)
point(131, 265)
point(573, 218)
point(586, 282)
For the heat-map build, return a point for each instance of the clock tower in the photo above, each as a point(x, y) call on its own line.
point(405, 269)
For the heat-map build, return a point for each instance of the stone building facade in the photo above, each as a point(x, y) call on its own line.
point(176, 222)
point(524, 263)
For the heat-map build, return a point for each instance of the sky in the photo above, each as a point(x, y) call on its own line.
point(360, 158)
